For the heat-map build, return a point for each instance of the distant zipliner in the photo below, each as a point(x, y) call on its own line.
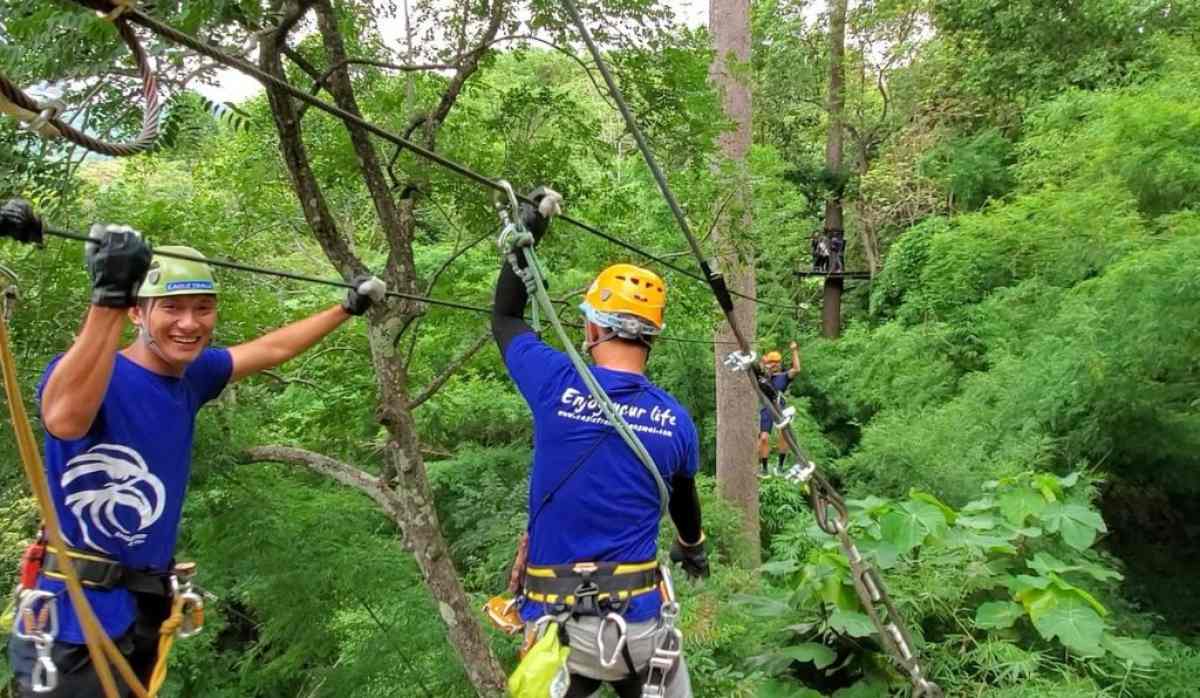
point(828, 250)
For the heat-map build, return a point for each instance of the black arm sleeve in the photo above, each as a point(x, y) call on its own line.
point(508, 310)
point(685, 508)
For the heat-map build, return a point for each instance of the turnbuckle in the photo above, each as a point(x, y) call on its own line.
point(44, 677)
point(608, 660)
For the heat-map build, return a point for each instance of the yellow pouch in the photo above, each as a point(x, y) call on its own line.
point(543, 672)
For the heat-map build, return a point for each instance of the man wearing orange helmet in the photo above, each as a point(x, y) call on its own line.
point(776, 383)
point(593, 508)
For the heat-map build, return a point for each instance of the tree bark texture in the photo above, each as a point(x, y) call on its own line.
point(403, 490)
point(737, 405)
point(836, 107)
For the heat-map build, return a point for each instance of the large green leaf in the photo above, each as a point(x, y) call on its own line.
point(1077, 524)
point(948, 513)
point(851, 623)
point(1046, 563)
point(1019, 504)
point(1135, 651)
point(907, 527)
point(1073, 621)
point(820, 655)
point(997, 615)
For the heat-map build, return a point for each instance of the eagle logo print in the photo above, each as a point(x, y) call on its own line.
point(110, 490)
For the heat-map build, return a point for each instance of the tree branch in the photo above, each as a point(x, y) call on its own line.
point(291, 144)
point(288, 381)
point(454, 365)
point(344, 473)
point(397, 227)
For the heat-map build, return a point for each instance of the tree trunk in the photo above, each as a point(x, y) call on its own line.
point(737, 405)
point(404, 480)
point(836, 106)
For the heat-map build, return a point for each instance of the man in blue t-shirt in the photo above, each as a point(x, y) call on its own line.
point(591, 500)
point(775, 383)
point(119, 426)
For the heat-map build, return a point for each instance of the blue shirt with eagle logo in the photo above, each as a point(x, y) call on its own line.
point(119, 489)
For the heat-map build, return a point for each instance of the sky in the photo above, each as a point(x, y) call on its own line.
point(232, 86)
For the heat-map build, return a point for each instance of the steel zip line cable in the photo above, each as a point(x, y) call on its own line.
point(136, 16)
point(823, 497)
point(57, 232)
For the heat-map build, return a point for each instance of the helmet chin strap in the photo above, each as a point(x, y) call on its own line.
point(148, 338)
point(606, 334)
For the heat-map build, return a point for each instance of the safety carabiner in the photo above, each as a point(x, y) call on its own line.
point(610, 660)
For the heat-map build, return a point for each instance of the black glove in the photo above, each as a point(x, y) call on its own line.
point(19, 222)
point(117, 265)
point(367, 290)
point(692, 557)
point(548, 203)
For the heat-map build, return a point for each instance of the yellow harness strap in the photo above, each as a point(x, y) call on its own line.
point(100, 646)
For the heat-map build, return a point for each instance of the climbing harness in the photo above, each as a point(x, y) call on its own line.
point(44, 119)
point(828, 506)
point(600, 589)
point(39, 624)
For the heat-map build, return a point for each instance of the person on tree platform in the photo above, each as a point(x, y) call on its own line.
point(837, 252)
point(775, 383)
point(592, 504)
point(119, 425)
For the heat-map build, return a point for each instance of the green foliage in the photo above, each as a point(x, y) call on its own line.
point(972, 170)
point(1012, 575)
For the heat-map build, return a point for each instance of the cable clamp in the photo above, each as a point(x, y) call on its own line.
point(801, 473)
point(740, 360)
point(788, 413)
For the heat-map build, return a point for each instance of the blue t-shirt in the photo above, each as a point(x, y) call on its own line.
point(780, 382)
point(119, 489)
point(608, 511)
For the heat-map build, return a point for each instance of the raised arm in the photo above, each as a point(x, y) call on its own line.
point(508, 307)
point(795, 369)
point(75, 389)
point(274, 348)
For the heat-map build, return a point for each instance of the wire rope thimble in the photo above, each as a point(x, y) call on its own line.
point(41, 123)
point(120, 7)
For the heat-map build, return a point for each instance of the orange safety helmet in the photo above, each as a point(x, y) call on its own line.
point(628, 300)
point(772, 357)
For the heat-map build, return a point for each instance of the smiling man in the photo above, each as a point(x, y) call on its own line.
point(119, 426)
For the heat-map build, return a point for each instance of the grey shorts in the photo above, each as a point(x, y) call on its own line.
point(642, 638)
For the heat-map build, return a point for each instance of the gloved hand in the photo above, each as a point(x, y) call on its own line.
point(367, 290)
point(19, 222)
point(117, 265)
point(691, 556)
point(537, 218)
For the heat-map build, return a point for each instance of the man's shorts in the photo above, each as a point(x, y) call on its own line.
point(765, 422)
